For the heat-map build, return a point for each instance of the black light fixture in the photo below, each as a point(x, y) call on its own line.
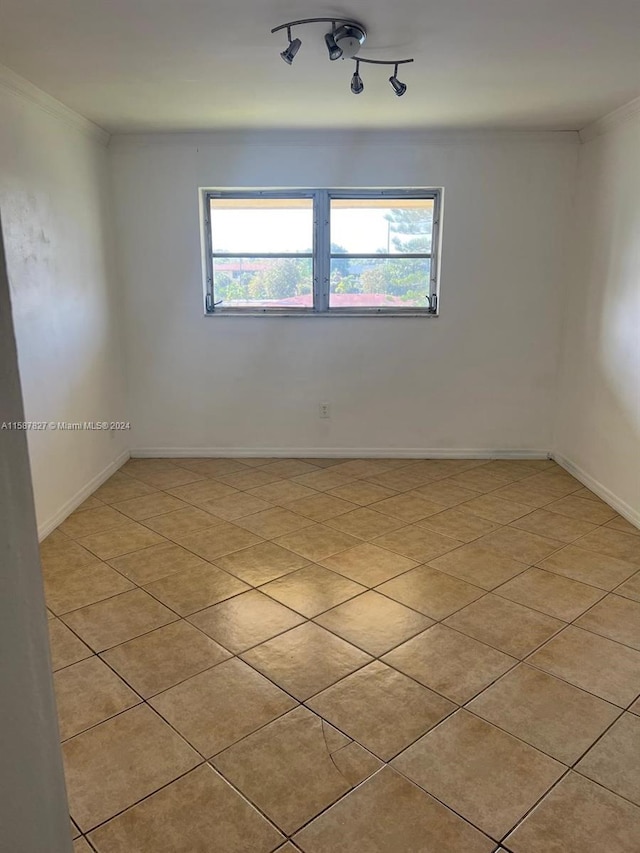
point(294, 46)
point(398, 87)
point(357, 86)
point(344, 40)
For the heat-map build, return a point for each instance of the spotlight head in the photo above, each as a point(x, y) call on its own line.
point(398, 87)
point(334, 51)
point(357, 86)
point(289, 54)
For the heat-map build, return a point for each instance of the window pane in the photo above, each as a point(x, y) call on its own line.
point(379, 282)
point(263, 282)
point(381, 226)
point(262, 225)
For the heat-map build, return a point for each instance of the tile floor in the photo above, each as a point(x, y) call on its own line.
point(347, 656)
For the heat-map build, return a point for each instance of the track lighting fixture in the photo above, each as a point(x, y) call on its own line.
point(357, 86)
point(398, 87)
point(343, 41)
point(294, 46)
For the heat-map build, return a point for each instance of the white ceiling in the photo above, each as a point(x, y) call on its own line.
point(201, 64)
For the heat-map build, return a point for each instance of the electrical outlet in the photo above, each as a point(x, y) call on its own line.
point(324, 411)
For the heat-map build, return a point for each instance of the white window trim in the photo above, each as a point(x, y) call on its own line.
point(321, 255)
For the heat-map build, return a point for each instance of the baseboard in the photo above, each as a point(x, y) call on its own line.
point(339, 452)
point(51, 523)
point(620, 506)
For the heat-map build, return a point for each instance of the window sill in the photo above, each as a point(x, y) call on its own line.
point(340, 312)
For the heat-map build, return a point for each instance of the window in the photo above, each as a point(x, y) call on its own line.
point(325, 252)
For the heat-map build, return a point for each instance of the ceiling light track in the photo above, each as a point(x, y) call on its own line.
point(343, 41)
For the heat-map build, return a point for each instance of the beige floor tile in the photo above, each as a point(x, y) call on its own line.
point(549, 593)
point(245, 480)
point(261, 563)
point(65, 647)
point(80, 845)
point(479, 480)
point(614, 761)
point(555, 526)
point(282, 492)
point(215, 542)
point(306, 660)
point(368, 564)
point(203, 491)
point(234, 506)
point(408, 507)
point(317, 542)
point(363, 467)
point(286, 468)
point(373, 623)
point(635, 707)
point(245, 621)
point(505, 625)
point(417, 544)
point(149, 505)
point(362, 493)
point(616, 618)
point(312, 590)
point(458, 524)
point(520, 545)
point(483, 773)
point(169, 478)
point(401, 480)
point(630, 588)
point(593, 663)
point(431, 592)
point(496, 509)
point(158, 561)
point(195, 589)
point(117, 763)
point(65, 555)
point(320, 507)
point(220, 706)
point(588, 566)
point(71, 588)
point(623, 525)
point(272, 768)
point(323, 481)
point(364, 523)
point(382, 709)
point(613, 543)
point(323, 461)
point(128, 537)
point(182, 521)
point(120, 487)
point(388, 814)
point(199, 812)
point(255, 461)
point(479, 565)
point(445, 493)
point(548, 713)
point(85, 522)
point(274, 522)
point(585, 509)
point(532, 495)
point(116, 620)
point(599, 821)
point(450, 663)
point(211, 467)
point(87, 693)
point(164, 657)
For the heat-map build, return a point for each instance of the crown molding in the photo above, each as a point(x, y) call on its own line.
point(611, 121)
point(318, 138)
point(22, 88)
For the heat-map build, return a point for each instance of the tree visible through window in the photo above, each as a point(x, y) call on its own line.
point(321, 250)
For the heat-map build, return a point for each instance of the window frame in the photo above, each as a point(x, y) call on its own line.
point(321, 255)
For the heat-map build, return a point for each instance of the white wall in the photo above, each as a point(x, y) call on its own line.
point(598, 427)
point(55, 207)
point(479, 378)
